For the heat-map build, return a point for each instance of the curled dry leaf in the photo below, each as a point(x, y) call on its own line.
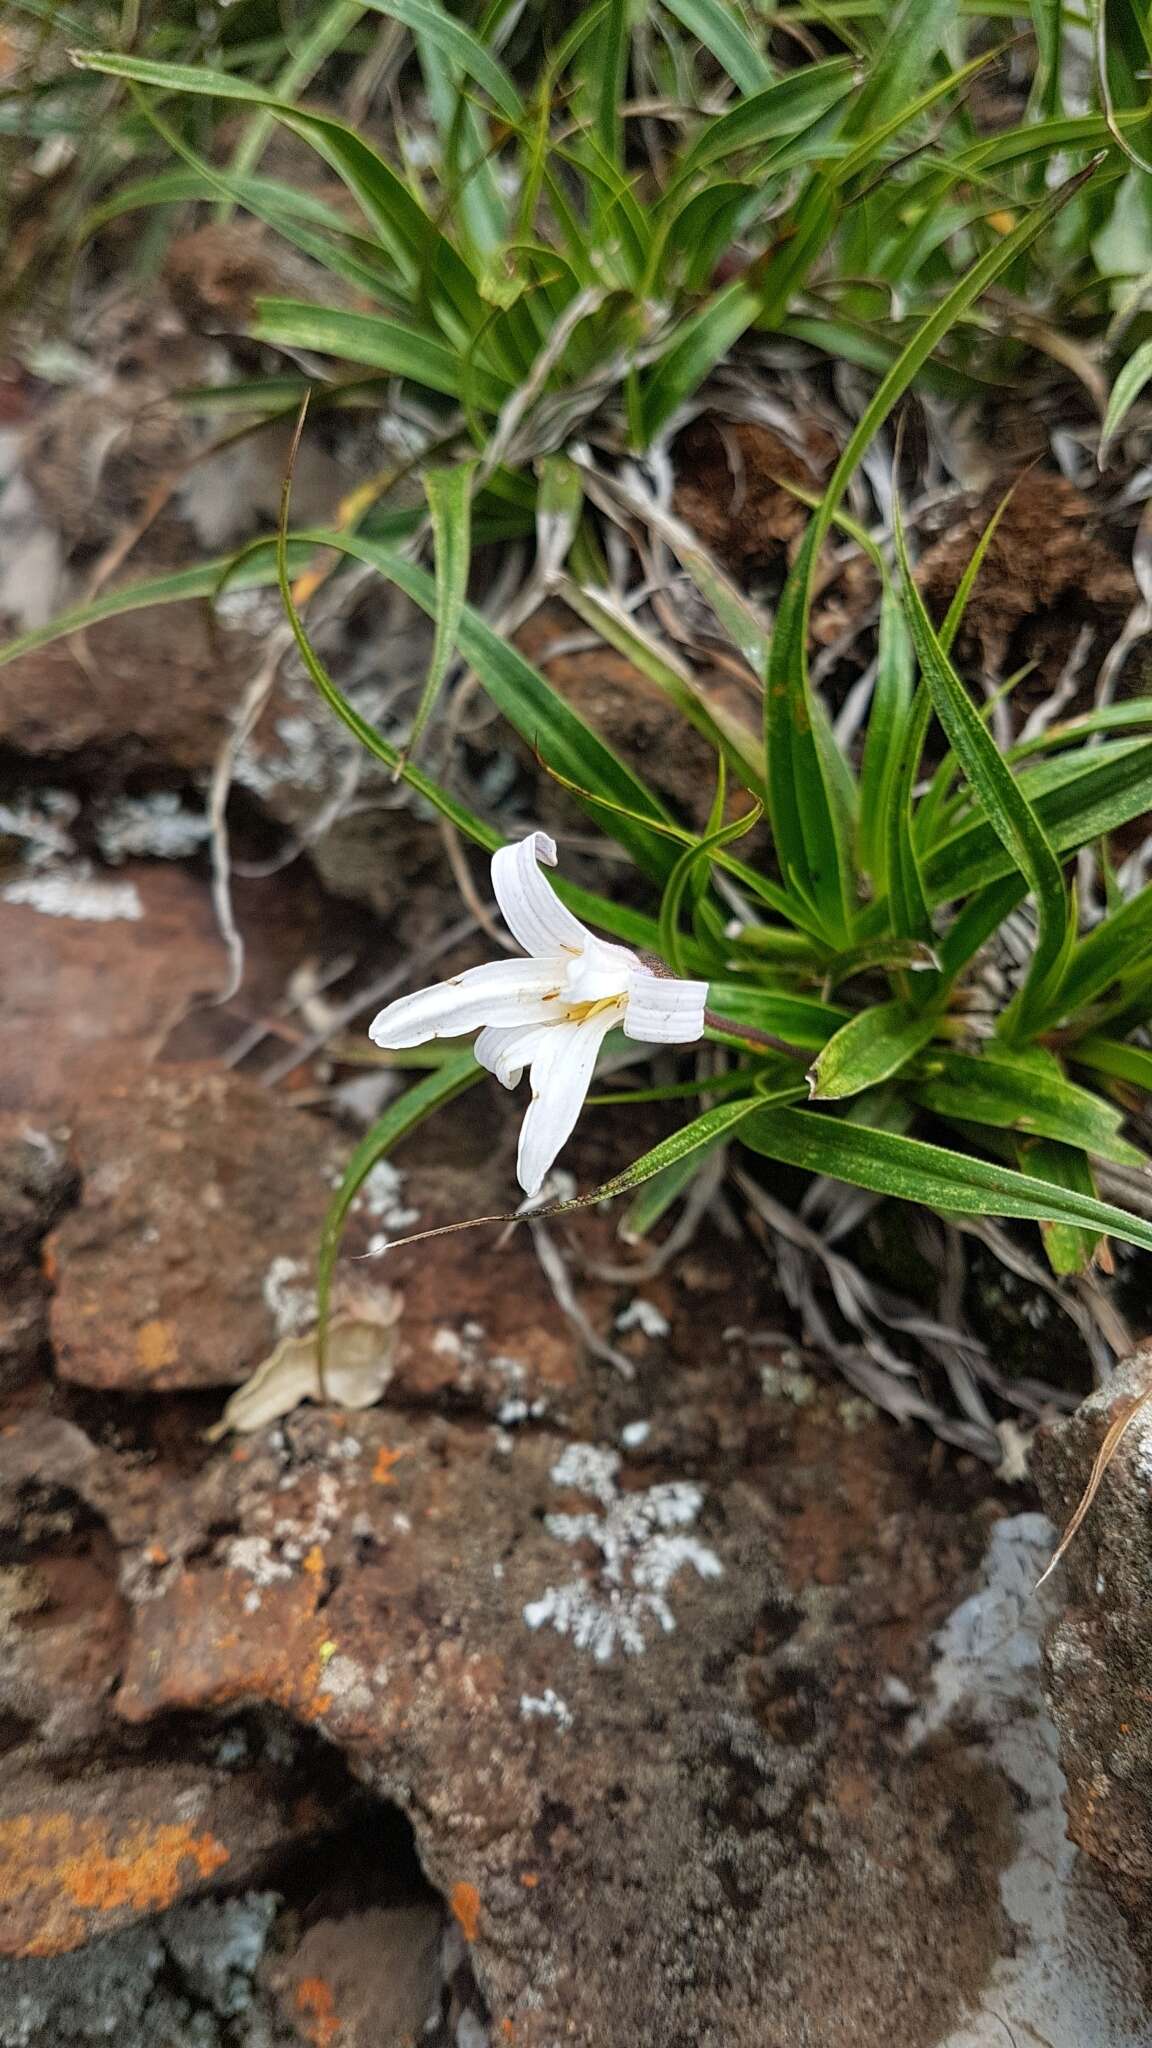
point(1104, 1456)
point(359, 1364)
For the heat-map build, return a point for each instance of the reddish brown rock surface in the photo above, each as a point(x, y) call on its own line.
point(597, 1683)
point(89, 993)
point(159, 1282)
point(130, 698)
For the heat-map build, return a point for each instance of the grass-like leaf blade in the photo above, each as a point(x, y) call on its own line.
point(870, 1049)
point(1001, 797)
point(952, 1183)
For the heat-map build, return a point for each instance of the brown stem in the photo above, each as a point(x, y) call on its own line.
point(753, 1036)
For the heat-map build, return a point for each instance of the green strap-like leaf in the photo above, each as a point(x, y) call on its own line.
point(1092, 794)
point(869, 1049)
point(721, 31)
point(1126, 390)
point(449, 494)
point(324, 35)
point(1120, 944)
point(887, 721)
point(806, 825)
point(788, 107)
point(424, 255)
point(1069, 1250)
point(536, 710)
point(1021, 1091)
point(1002, 798)
point(382, 343)
point(1115, 1060)
point(693, 862)
point(457, 43)
point(697, 344)
point(657, 1195)
point(818, 1141)
point(801, 1020)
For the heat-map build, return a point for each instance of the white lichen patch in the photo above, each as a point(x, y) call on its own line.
point(546, 1706)
point(381, 1200)
point(634, 1434)
point(42, 818)
point(515, 1410)
point(381, 1197)
point(1070, 1978)
point(255, 1555)
point(642, 1547)
point(345, 1683)
point(289, 1300)
point(643, 1315)
point(306, 757)
point(297, 1538)
point(77, 893)
point(155, 826)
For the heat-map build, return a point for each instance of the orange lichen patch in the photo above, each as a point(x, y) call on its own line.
point(318, 2017)
point(157, 1345)
point(314, 1561)
point(465, 1903)
point(72, 1868)
point(529, 1879)
point(385, 1459)
point(49, 1263)
point(156, 1554)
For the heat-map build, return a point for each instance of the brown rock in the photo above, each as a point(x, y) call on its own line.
point(63, 1619)
point(201, 1196)
point(365, 1980)
point(1097, 1649)
point(84, 1856)
point(642, 1761)
point(142, 694)
point(36, 1181)
point(88, 992)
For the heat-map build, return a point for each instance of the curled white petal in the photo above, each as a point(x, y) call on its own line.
point(507, 1049)
point(502, 992)
point(663, 1010)
point(528, 903)
point(562, 1066)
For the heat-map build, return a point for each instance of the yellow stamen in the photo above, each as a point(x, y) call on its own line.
point(578, 1013)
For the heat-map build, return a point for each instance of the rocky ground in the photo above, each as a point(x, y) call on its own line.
point(541, 1702)
point(598, 1671)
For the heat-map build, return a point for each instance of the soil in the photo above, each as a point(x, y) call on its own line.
point(518, 1698)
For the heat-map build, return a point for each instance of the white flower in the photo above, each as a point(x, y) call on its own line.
point(550, 1012)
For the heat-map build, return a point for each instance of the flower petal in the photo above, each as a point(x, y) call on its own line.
point(502, 992)
point(529, 905)
point(663, 1010)
point(562, 1067)
point(507, 1050)
point(601, 972)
